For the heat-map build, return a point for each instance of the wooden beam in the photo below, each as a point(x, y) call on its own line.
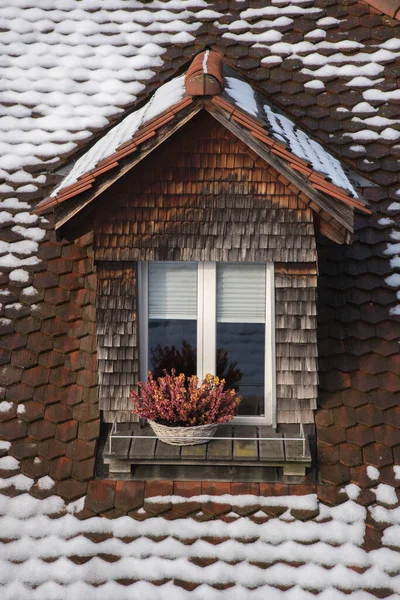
point(263, 152)
point(66, 213)
point(338, 236)
point(296, 268)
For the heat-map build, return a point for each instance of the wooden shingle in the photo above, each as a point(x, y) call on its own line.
point(202, 196)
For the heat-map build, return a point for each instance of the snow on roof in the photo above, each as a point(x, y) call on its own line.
point(166, 96)
point(68, 68)
point(392, 249)
point(284, 130)
point(256, 548)
point(244, 96)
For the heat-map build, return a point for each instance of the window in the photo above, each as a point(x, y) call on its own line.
point(212, 318)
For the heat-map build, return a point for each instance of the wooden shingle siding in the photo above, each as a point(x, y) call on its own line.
point(202, 196)
point(117, 347)
point(296, 347)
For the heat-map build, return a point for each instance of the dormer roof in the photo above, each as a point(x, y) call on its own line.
point(210, 85)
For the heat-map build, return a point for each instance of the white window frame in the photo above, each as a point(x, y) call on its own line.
point(206, 333)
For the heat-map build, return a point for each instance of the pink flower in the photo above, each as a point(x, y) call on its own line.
point(177, 400)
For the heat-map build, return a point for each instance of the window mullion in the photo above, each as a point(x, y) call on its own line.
point(143, 311)
point(206, 341)
point(200, 318)
point(270, 368)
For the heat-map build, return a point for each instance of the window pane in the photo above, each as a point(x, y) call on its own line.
point(172, 344)
point(241, 332)
point(172, 290)
point(240, 293)
point(172, 317)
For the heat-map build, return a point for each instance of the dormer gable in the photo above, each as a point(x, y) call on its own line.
point(211, 85)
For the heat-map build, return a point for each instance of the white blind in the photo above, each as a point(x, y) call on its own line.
point(172, 290)
point(240, 293)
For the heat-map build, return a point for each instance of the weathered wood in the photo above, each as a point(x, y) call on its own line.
point(221, 449)
point(197, 452)
point(166, 451)
point(270, 451)
point(120, 446)
point(185, 203)
point(245, 449)
point(296, 269)
point(141, 448)
point(118, 469)
point(164, 133)
point(204, 472)
point(117, 337)
point(216, 454)
point(294, 450)
point(341, 213)
point(294, 470)
point(296, 350)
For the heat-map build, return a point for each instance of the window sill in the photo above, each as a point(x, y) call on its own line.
point(233, 446)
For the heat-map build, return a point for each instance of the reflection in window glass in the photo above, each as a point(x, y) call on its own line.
point(172, 345)
point(241, 332)
point(172, 317)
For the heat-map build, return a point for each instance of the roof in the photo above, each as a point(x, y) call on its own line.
point(243, 97)
point(285, 131)
point(68, 72)
point(205, 541)
point(138, 134)
point(72, 69)
point(387, 7)
point(168, 95)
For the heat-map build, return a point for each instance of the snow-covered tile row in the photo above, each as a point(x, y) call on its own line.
point(51, 554)
point(18, 258)
point(66, 69)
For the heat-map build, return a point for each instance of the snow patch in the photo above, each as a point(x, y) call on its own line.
point(8, 463)
point(45, 483)
point(315, 34)
point(20, 482)
point(243, 94)
point(19, 275)
point(304, 147)
point(29, 291)
point(373, 473)
point(364, 107)
point(393, 280)
point(76, 506)
point(352, 490)
point(327, 21)
point(315, 84)
point(31, 233)
point(306, 502)
point(385, 493)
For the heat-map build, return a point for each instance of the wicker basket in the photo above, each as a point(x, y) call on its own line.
point(183, 436)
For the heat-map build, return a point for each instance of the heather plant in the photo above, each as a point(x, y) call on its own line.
point(178, 400)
